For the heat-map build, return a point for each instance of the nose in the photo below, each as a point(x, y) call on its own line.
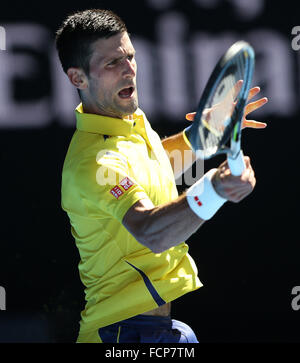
point(129, 68)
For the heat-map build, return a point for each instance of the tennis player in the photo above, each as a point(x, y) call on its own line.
point(118, 189)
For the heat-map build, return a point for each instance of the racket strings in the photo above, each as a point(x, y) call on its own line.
point(219, 109)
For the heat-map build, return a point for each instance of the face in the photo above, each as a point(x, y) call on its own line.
point(111, 87)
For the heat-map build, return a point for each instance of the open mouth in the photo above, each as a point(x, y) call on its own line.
point(126, 92)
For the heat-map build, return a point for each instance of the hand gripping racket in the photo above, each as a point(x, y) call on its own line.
point(220, 111)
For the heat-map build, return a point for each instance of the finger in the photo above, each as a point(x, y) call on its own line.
point(236, 88)
point(246, 173)
point(223, 165)
point(253, 92)
point(254, 124)
point(252, 106)
point(248, 177)
point(190, 116)
point(247, 161)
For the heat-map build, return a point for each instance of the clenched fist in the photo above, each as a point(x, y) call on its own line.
point(234, 188)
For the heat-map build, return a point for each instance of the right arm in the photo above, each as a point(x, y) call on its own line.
point(162, 227)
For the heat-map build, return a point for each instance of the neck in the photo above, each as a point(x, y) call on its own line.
point(93, 109)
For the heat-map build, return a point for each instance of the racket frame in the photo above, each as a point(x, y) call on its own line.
point(233, 131)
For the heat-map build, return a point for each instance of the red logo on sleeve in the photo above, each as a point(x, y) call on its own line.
point(198, 201)
point(116, 191)
point(126, 183)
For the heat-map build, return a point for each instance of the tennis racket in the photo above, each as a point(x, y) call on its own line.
point(218, 121)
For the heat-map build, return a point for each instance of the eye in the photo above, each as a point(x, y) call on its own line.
point(113, 63)
point(130, 57)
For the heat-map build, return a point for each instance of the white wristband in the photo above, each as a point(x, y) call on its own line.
point(202, 197)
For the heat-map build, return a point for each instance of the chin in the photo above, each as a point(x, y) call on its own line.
point(129, 109)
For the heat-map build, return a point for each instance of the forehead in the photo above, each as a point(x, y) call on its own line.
point(115, 45)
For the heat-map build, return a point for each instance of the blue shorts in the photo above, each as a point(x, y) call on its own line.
point(147, 329)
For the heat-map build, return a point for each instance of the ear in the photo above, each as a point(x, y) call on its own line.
point(78, 78)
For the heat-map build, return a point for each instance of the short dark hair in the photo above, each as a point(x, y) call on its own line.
point(79, 30)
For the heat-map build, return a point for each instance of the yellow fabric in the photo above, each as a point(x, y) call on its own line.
point(110, 165)
point(89, 337)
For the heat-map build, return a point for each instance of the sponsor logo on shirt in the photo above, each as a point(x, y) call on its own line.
point(116, 191)
point(124, 185)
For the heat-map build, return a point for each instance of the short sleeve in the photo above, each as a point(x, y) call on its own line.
point(107, 187)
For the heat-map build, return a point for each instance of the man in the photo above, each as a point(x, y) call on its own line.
point(119, 191)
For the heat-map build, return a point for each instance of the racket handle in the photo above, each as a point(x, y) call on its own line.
point(237, 165)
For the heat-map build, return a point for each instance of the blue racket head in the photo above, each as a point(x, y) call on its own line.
point(220, 110)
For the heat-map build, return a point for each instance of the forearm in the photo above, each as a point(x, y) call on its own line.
point(165, 226)
point(162, 227)
point(172, 223)
point(180, 155)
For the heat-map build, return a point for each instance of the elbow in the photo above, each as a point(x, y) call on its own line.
point(154, 244)
point(141, 224)
point(156, 247)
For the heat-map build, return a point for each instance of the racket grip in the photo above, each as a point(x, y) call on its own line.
point(237, 165)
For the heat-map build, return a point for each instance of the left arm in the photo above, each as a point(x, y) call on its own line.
point(180, 155)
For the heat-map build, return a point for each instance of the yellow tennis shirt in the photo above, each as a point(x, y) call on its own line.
point(111, 164)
